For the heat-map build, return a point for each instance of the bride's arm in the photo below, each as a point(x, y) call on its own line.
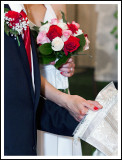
point(51, 93)
point(76, 105)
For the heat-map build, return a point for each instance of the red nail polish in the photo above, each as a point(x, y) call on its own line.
point(61, 72)
point(95, 108)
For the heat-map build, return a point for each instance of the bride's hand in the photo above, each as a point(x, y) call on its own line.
point(78, 106)
point(68, 68)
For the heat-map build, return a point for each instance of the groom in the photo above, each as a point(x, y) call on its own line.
point(24, 110)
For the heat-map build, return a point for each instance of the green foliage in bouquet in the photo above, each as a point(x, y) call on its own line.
point(63, 59)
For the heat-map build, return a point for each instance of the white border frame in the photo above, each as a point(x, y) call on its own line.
point(2, 78)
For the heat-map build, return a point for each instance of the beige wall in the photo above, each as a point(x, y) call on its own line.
point(86, 16)
point(97, 20)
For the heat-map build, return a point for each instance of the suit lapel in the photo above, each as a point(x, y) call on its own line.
point(24, 59)
point(7, 6)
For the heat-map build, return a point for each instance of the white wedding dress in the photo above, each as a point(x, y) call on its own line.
point(50, 144)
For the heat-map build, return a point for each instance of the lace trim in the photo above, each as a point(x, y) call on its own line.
point(89, 118)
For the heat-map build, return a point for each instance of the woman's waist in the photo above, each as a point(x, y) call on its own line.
point(48, 66)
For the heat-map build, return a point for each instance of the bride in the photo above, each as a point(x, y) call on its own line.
point(47, 143)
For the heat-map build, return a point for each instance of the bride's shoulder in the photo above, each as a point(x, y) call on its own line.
point(59, 7)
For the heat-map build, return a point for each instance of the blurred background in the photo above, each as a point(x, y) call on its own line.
point(99, 66)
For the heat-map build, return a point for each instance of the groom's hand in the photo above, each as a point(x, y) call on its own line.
point(68, 68)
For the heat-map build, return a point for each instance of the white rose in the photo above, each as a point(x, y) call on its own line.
point(45, 27)
point(57, 44)
point(79, 32)
point(62, 25)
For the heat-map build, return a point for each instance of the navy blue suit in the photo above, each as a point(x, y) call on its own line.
point(24, 110)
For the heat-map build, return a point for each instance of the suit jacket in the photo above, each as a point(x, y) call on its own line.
point(24, 110)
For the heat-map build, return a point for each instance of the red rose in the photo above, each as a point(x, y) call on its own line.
point(13, 17)
point(71, 44)
point(85, 35)
point(54, 31)
point(12, 14)
point(73, 28)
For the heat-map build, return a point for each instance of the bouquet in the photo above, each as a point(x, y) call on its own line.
point(58, 40)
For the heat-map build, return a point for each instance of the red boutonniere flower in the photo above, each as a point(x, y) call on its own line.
point(15, 23)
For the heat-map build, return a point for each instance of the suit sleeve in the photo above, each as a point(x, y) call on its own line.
point(54, 119)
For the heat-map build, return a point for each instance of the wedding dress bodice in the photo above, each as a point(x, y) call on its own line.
point(52, 75)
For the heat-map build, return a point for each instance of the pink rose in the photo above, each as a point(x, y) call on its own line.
point(76, 24)
point(54, 21)
point(42, 38)
point(67, 33)
point(87, 42)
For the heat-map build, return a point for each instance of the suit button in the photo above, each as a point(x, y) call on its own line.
point(34, 147)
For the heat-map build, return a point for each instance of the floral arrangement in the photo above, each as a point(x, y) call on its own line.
point(58, 40)
point(15, 23)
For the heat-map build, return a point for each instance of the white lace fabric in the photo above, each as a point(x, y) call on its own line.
point(100, 128)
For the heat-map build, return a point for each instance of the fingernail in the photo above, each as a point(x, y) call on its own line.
point(95, 108)
point(61, 72)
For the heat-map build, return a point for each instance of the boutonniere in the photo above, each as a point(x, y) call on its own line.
point(15, 23)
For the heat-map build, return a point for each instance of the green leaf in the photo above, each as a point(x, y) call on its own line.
point(14, 32)
point(42, 23)
point(116, 46)
point(45, 49)
point(59, 54)
point(82, 44)
point(6, 28)
point(116, 36)
point(47, 59)
point(62, 61)
point(114, 30)
point(6, 10)
point(63, 17)
point(116, 14)
point(18, 41)
point(82, 40)
point(36, 28)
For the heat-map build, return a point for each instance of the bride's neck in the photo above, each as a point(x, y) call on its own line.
point(35, 12)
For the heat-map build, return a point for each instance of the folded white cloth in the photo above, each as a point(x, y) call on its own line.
point(100, 128)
